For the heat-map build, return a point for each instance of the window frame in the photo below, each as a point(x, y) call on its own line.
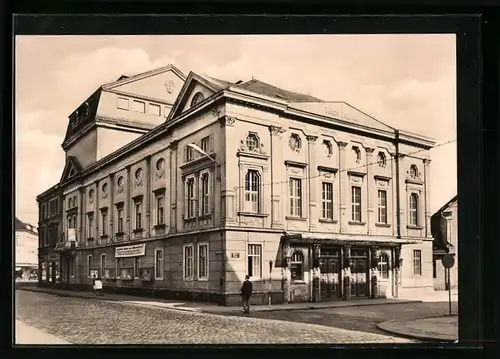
point(300, 263)
point(184, 262)
point(380, 264)
point(325, 201)
point(252, 178)
point(89, 265)
point(206, 266)
point(160, 218)
point(382, 207)
point(135, 102)
point(251, 255)
point(295, 199)
point(191, 197)
point(102, 265)
point(90, 225)
point(137, 267)
point(206, 144)
point(413, 211)
point(355, 205)
point(159, 261)
point(419, 260)
point(118, 103)
point(120, 208)
point(138, 214)
point(155, 106)
point(104, 222)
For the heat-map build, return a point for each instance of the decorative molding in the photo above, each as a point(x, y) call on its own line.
point(295, 164)
point(426, 161)
point(276, 130)
point(356, 174)
point(369, 150)
point(252, 155)
point(227, 121)
point(216, 111)
point(382, 178)
point(311, 138)
point(342, 145)
point(327, 169)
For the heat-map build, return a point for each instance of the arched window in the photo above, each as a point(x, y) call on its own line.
point(383, 266)
point(205, 194)
point(297, 266)
point(357, 154)
point(252, 142)
point(413, 209)
point(197, 98)
point(252, 191)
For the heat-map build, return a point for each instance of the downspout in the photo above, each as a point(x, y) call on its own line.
point(398, 190)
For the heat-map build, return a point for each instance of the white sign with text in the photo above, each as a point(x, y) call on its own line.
point(135, 250)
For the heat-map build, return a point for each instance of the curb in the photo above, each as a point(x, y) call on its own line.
point(236, 311)
point(383, 326)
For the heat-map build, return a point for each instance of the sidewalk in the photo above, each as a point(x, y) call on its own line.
point(28, 335)
point(428, 329)
point(213, 308)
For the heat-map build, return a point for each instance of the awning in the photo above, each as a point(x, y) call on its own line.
point(309, 240)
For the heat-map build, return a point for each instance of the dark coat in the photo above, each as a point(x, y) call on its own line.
point(246, 289)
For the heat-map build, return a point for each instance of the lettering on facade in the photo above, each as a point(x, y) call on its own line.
point(339, 115)
point(130, 251)
point(235, 255)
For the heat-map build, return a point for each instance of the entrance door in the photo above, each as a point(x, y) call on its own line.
point(329, 284)
point(359, 277)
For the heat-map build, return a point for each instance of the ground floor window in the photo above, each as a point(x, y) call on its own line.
point(417, 262)
point(297, 266)
point(254, 269)
point(383, 266)
point(72, 267)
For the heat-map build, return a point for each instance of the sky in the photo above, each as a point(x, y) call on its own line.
point(406, 81)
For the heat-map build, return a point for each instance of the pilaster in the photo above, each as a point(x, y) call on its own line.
point(147, 199)
point(313, 183)
point(344, 188)
point(128, 205)
point(371, 192)
point(427, 167)
point(111, 209)
point(174, 191)
point(276, 134)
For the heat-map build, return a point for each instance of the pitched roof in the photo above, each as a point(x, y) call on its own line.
point(446, 205)
point(21, 226)
point(263, 88)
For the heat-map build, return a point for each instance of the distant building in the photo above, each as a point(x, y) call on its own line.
point(445, 232)
point(290, 188)
point(26, 238)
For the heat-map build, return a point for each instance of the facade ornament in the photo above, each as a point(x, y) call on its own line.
point(170, 85)
point(104, 190)
point(91, 196)
point(311, 138)
point(138, 177)
point(369, 150)
point(227, 121)
point(276, 130)
point(328, 148)
point(160, 168)
point(120, 185)
point(216, 111)
point(294, 142)
point(413, 173)
point(381, 160)
point(342, 145)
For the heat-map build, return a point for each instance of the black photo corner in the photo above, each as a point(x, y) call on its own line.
point(477, 29)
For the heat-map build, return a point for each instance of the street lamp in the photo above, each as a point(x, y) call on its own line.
point(222, 279)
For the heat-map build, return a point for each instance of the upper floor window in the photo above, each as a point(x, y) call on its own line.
point(191, 198)
point(252, 142)
point(122, 103)
point(206, 144)
point(119, 217)
point(190, 153)
point(104, 218)
point(295, 197)
point(382, 207)
point(205, 194)
point(356, 204)
point(297, 266)
point(413, 220)
point(160, 210)
point(197, 98)
point(138, 106)
point(154, 109)
point(138, 214)
point(327, 200)
point(90, 225)
point(252, 191)
point(357, 154)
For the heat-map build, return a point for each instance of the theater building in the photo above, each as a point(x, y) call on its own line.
point(314, 200)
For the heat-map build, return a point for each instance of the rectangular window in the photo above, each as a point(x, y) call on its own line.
point(160, 214)
point(206, 144)
point(203, 261)
point(139, 106)
point(413, 209)
point(191, 198)
point(327, 201)
point(103, 264)
point(356, 204)
point(89, 266)
point(417, 262)
point(90, 225)
point(154, 109)
point(72, 267)
point(252, 191)
point(118, 264)
point(295, 197)
point(123, 103)
point(104, 217)
point(254, 269)
point(137, 263)
point(119, 215)
point(159, 264)
point(205, 194)
point(138, 215)
point(166, 111)
point(382, 207)
point(188, 261)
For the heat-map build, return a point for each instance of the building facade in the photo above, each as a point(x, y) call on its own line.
point(445, 232)
point(26, 238)
point(314, 200)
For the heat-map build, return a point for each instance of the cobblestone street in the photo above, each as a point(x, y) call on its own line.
point(84, 321)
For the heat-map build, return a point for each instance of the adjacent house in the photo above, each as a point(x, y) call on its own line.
point(26, 238)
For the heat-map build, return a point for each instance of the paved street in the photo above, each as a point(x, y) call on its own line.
point(362, 319)
point(87, 321)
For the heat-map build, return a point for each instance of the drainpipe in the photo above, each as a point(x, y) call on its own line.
point(398, 190)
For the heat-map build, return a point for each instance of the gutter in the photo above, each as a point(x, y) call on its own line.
point(398, 189)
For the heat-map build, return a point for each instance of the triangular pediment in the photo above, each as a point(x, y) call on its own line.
point(71, 168)
point(163, 84)
point(196, 89)
point(340, 111)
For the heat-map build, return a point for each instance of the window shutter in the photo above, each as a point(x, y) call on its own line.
point(211, 143)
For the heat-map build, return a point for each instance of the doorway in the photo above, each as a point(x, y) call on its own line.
point(329, 263)
point(359, 273)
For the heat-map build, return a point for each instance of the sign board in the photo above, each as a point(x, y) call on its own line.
point(130, 251)
point(71, 235)
point(235, 255)
point(448, 260)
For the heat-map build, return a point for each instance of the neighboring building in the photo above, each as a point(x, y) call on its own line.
point(445, 232)
point(26, 237)
point(292, 187)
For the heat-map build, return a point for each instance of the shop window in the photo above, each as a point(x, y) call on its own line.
point(383, 266)
point(103, 264)
point(297, 266)
point(254, 261)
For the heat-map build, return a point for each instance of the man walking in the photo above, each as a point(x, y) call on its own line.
point(246, 293)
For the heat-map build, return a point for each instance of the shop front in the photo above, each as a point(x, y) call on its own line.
point(338, 269)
